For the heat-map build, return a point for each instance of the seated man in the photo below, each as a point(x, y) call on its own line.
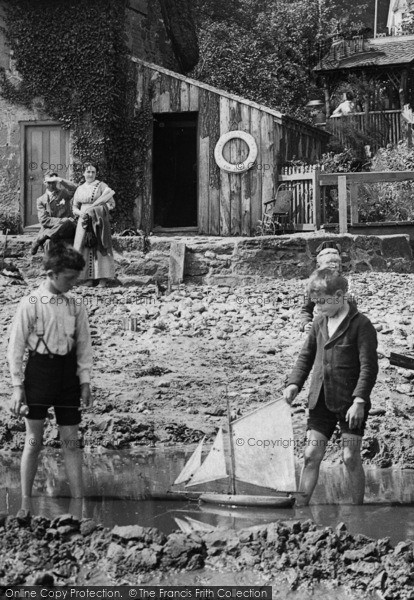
point(54, 212)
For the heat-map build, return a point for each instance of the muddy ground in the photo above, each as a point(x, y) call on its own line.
point(324, 563)
point(166, 383)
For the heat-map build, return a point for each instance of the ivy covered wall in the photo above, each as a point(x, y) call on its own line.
point(70, 62)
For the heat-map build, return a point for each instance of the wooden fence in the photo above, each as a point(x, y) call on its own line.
point(303, 180)
point(382, 126)
point(348, 190)
point(309, 184)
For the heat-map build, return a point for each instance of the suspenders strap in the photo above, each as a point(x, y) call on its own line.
point(40, 326)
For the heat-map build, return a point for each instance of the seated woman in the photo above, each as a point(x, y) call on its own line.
point(92, 202)
point(347, 107)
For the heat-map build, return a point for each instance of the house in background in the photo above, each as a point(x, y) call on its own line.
point(193, 187)
point(398, 10)
point(383, 63)
point(188, 185)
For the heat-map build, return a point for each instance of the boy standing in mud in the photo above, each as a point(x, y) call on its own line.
point(55, 330)
point(342, 350)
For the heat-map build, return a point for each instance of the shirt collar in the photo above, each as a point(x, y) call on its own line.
point(43, 291)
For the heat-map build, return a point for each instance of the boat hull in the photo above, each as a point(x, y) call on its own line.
point(249, 500)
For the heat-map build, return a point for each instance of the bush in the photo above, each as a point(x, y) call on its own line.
point(11, 222)
point(389, 201)
point(346, 161)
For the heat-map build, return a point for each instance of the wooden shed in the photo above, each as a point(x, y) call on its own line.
point(184, 187)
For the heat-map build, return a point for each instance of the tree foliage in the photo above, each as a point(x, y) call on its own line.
point(265, 50)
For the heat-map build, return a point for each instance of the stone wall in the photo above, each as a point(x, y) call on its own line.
point(10, 115)
point(235, 261)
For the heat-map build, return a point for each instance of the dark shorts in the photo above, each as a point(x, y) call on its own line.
point(52, 381)
point(324, 420)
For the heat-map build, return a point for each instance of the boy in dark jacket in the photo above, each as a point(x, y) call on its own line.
point(342, 350)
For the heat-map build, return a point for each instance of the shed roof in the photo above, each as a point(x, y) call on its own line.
point(275, 113)
point(378, 52)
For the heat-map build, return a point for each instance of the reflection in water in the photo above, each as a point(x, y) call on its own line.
point(118, 486)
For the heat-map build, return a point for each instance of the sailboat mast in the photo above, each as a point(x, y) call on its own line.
point(232, 465)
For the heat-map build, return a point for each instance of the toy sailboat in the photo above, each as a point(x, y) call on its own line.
point(253, 465)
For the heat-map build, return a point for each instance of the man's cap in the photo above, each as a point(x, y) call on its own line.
point(50, 174)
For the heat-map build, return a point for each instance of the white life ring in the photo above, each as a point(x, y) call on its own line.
point(240, 167)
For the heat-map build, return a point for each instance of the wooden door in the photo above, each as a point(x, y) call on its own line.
point(46, 147)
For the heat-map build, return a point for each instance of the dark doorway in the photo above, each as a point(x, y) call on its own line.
point(175, 170)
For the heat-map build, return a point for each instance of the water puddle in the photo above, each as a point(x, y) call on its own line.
point(118, 486)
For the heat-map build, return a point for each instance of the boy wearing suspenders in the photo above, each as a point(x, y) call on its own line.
point(54, 328)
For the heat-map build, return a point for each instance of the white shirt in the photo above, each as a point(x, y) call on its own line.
point(345, 108)
point(334, 322)
point(64, 322)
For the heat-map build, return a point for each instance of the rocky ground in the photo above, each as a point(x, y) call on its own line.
point(165, 382)
point(288, 555)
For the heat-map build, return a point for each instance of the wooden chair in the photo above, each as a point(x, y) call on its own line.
point(277, 216)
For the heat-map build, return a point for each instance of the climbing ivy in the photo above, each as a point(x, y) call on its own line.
point(74, 55)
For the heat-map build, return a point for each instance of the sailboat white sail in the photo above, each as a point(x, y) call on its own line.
point(260, 453)
point(214, 466)
point(263, 447)
point(192, 465)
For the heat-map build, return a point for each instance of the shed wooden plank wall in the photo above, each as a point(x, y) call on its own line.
point(228, 203)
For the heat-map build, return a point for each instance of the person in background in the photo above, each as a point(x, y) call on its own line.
point(327, 258)
point(341, 348)
point(346, 107)
point(91, 203)
point(55, 330)
point(54, 212)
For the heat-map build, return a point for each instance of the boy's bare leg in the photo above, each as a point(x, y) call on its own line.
point(30, 458)
point(314, 452)
point(73, 458)
point(351, 452)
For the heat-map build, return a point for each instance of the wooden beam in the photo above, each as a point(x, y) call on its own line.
point(327, 98)
point(353, 194)
point(316, 199)
point(366, 177)
point(295, 177)
point(342, 204)
point(225, 206)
